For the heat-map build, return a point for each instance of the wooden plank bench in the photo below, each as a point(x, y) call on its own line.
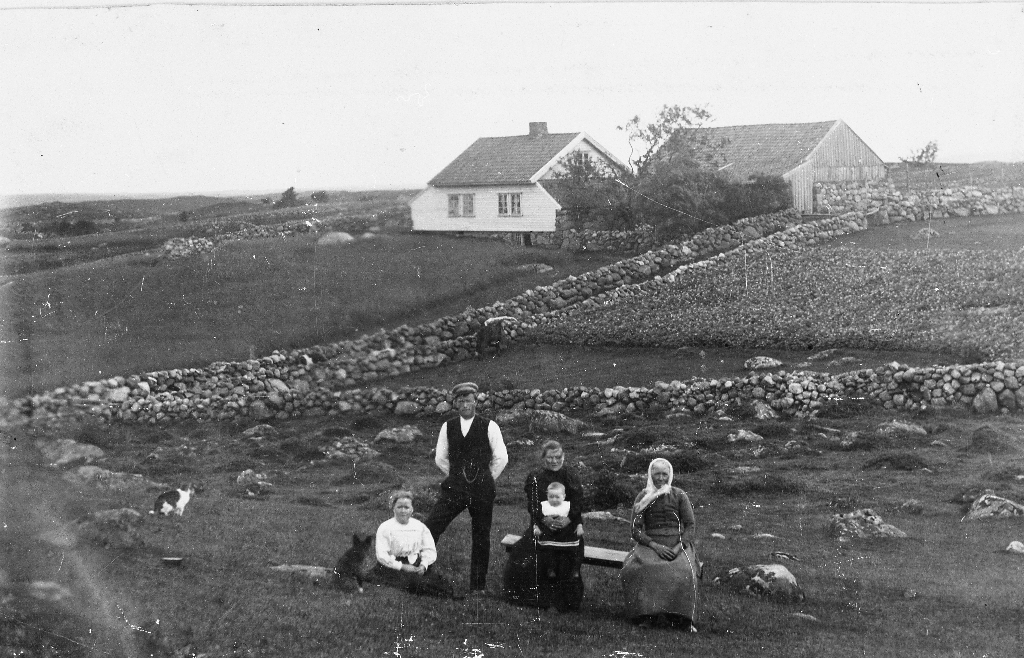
point(600, 557)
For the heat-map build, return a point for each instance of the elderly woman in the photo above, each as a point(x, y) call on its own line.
point(659, 576)
point(544, 566)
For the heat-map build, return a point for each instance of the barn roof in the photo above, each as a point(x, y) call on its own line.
point(772, 148)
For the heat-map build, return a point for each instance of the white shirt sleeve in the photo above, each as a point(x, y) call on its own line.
point(383, 546)
point(499, 454)
point(428, 552)
point(441, 454)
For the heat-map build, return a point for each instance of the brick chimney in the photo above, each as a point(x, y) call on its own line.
point(538, 128)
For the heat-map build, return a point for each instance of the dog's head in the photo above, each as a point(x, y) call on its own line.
point(361, 543)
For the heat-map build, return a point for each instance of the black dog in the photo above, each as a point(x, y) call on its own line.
point(356, 563)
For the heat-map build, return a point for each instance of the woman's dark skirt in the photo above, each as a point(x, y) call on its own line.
point(544, 576)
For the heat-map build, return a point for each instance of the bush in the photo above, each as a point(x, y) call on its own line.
point(608, 490)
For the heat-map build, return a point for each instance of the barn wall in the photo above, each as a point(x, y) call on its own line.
point(801, 182)
point(842, 155)
point(430, 210)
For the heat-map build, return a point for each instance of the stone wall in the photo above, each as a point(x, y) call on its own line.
point(321, 379)
point(882, 202)
point(285, 384)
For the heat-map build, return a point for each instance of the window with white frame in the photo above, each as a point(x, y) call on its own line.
point(460, 205)
point(510, 203)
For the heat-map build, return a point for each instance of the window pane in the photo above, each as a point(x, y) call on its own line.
point(502, 204)
point(516, 204)
point(453, 205)
point(467, 205)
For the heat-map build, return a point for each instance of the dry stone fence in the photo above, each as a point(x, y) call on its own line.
point(883, 203)
point(323, 380)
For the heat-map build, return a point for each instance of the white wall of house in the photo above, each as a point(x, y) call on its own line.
point(582, 147)
point(430, 210)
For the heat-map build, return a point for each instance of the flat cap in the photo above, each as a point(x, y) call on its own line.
point(464, 388)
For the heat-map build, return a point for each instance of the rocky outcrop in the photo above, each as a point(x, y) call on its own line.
point(862, 524)
point(65, 452)
point(765, 581)
point(990, 506)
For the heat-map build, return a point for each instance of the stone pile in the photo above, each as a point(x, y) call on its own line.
point(884, 203)
point(185, 247)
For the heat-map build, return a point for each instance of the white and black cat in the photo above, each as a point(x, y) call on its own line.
point(173, 501)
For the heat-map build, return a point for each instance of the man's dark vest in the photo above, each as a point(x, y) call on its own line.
point(469, 455)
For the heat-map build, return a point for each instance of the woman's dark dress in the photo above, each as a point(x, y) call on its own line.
point(542, 575)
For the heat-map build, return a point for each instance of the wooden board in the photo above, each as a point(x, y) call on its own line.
point(601, 557)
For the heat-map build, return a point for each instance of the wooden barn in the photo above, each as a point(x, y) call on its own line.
point(802, 153)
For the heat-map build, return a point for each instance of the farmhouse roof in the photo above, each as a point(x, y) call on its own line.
point(771, 148)
point(512, 160)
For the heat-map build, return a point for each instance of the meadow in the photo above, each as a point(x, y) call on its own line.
point(949, 589)
point(125, 315)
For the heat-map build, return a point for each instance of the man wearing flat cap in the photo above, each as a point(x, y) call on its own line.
point(472, 454)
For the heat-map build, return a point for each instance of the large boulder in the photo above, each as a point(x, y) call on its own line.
point(986, 402)
point(253, 484)
point(407, 408)
point(765, 581)
point(260, 411)
point(404, 434)
point(897, 428)
point(990, 506)
point(113, 528)
point(335, 237)
point(761, 363)
point(762, 411)
point(862, 524)
point(989, 440)
point(65, 452)
point(114, 480)
point(350, 449)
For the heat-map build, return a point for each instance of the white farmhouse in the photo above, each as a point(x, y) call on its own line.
point(494, 185)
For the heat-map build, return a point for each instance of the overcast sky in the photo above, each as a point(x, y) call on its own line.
point(189, 99)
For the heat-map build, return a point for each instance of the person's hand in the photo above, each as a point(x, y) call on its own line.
point(536, 530)
point(579, 530)
point(556, 522)
point(664, 552)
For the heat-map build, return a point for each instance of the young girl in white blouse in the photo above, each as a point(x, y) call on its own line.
point(405, 551)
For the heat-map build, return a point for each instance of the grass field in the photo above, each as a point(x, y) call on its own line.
point(949, 589)
point(125, 316)
point(946, 590)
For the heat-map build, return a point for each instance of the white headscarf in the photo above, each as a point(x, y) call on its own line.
point(651, 492)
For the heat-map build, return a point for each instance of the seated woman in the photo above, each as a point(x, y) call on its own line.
point(544, 566)
point(405, 551)
point(659, 576)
